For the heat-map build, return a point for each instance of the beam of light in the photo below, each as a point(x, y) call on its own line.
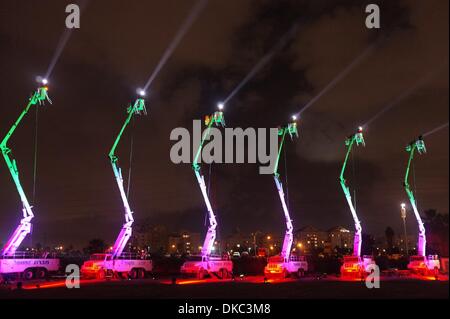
point(195, 11)
point(339, 77)
point(59, 49)
point(440, 127)
point(264, 60)
point(61, 44)
point(401, 97)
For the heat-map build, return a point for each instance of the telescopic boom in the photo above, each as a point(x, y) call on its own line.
point(137, 109)
point(357, 138)
point(290, 129)
point(218, 119)
point(418, 145)
point(24, 228)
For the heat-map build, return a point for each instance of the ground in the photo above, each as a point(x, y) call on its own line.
point(240, 288)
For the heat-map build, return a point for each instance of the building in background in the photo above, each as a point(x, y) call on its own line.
point(151, 238)
point(309, 239)
point(184, 243)
point(340, 238)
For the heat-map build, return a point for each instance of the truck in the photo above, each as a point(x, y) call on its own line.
point(126, 266)
point(202, 267)
point(354, 265)
point(424, 265)
point(22, 263)
point(208, 264)
point(28, 265)
point(420, 263)
point(278, 267)
point(285, 264)
point(117, 262)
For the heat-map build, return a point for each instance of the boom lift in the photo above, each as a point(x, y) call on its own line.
point(12, 261)
point(354, 265)
point(419, 263)
point(116, 261)
point(285, 264)
point(207, 263)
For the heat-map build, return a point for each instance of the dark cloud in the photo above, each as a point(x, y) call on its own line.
point(118, 47)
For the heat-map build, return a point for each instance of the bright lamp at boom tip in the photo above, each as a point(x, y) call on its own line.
point(360, 129)
point(220, 106)
point(402, 205)
point(141, 92)
point(294, 117)
point(42, 80)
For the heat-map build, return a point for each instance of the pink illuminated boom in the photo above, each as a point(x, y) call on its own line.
point(290, 129)
point(357, 138)
point(218, 119)
point(24, 228)
point(125, 232)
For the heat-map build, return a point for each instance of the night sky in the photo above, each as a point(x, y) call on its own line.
point(119, 45)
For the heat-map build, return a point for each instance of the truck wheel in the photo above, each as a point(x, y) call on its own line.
point(28, 274)
point(133, 274)
point(101, 274)
point(141, 273)
point(201, 274)
point(41, 273)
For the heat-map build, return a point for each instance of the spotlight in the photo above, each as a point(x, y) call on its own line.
point(220, 106)
point(402, 205)
point(294, 117)
point(42, 80)
point(360, 129)
point(141, 92)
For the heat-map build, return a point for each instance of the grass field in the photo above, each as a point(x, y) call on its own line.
point(241, 288)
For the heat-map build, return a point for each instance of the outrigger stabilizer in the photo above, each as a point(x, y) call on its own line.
point(24, 228)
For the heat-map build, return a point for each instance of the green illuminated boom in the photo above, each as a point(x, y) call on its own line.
point(218, 119)
point(418, 145)
point(126, 231)
point(24, 228)
point(357, 138)
point(290, 129)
